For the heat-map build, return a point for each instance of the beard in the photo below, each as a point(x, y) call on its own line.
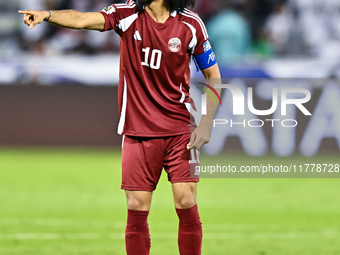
point(140, 4)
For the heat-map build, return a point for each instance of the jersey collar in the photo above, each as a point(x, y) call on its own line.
point(160, 25)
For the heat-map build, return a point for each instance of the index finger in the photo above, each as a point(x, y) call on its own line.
point(25, 12)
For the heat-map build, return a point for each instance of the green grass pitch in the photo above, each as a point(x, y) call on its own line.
point(68, 201)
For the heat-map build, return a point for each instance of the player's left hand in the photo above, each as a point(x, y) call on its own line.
point(199, 137)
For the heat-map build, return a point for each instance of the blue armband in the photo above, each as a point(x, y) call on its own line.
point(206, 60)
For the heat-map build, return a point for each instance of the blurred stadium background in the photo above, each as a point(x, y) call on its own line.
point(60, 154)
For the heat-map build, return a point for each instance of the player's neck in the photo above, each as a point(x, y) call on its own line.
point(158, 11)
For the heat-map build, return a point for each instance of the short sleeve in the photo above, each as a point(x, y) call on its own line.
point(111, 18)
point(203, 54)
point(202, 37)
point(116, 14)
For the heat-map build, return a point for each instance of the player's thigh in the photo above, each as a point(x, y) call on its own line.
point(142, 163)
point(184, 194)
point(178, 161)
point(138, 200)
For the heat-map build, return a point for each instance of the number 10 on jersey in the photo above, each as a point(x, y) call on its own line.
point(156, 57)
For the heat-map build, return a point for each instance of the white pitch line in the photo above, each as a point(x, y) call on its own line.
point(61, 223)
point(121, 224)
point(165, 236)
point(108, 224)
point(274, 235)
point(210, 231)
point(50, 236)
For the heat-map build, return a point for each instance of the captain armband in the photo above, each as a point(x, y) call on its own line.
point(207, 59)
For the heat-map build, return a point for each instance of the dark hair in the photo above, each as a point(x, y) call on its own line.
point(179, 5)
point(173, 5)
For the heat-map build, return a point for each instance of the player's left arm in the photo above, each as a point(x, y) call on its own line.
point(201, 134)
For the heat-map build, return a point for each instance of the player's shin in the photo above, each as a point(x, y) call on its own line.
point(189, 232)
point(137, 237)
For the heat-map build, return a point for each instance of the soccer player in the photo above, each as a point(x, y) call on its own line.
point(158, 39)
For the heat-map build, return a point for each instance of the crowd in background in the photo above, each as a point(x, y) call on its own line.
point(237, 28)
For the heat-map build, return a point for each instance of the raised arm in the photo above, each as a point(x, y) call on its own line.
point(65, 18)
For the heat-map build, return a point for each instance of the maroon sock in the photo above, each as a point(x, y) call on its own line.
point(137, 237)
point(189, 232)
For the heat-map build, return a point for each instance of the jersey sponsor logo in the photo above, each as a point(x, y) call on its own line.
point(109, 10)
point(207, 46)
point(175, 45)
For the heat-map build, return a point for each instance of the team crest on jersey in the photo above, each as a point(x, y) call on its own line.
point(109, 10)
point(175, 45)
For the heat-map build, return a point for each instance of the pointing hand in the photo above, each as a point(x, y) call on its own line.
point(33, 18)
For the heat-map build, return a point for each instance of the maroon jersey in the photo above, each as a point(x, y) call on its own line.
point(154, 69)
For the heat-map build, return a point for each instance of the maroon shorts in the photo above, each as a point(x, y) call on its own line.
point(144, 158)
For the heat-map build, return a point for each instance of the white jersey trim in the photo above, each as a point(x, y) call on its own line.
point(123, 111)
point(125, 6)
point(193, 41)
point(187, 105)
point(192, 15)
point(124, 24)
point(183, 95)
point(123, 138)
point(128, 5)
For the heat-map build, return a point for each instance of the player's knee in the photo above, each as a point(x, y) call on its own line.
point(138, 204)
point(186, 202)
